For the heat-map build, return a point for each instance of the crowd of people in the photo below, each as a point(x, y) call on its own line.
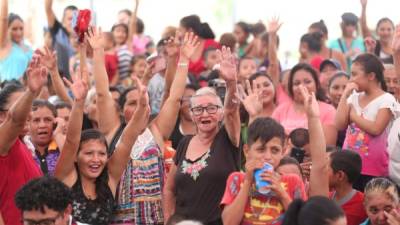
point(110, 127)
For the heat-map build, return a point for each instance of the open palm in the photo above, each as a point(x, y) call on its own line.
point(95, 38)
point(49, 59)
point(189, 45)
point(274, 25)
point(250, 100)
point(227, 67)
point(78, 87)
point(396, 40)
point(37, 75)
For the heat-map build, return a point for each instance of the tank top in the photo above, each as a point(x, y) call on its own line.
point(97, 211)
point(140, 190)
point(14, 65)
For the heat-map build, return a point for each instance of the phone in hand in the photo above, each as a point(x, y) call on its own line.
point(260, 183)
point(298, 154)
point(159, 62)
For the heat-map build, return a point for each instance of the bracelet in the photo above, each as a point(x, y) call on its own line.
point(183, 64)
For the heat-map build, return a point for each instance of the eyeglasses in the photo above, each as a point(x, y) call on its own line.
point(211, 109)
point(47, 221)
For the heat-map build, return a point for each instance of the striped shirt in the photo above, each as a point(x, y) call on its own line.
point(124, 61)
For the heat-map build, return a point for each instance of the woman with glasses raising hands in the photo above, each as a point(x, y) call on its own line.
point(197, 179)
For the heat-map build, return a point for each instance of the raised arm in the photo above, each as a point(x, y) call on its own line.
point(65, 168)
point(172, 49)
point(228, 72)
point(133, 24)
point(16, 117)
point(108, 122)
point(343, 110)
point(119, 160)
point(273, 69)
point(319, 183)
point(50, 61)
point(169, 198)
point(165, 121)
point(363, 19)
point(251, 100)
point(51, 17)
point(3, 23)
point(396, 49)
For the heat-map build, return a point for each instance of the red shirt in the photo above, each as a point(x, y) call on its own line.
point(17, 168)
point(196, 67)
point(354, 209)
point(262, 209)
point(111, 61)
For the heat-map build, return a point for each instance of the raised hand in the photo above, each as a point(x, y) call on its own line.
point(227, 64)
point(363, 3)
point(396, 40)
point(37, 75)
point(142, 112)
point(274, 25)
point(350, 87)
point(250, 100)
point(370, 44)
point(310, 102)
point(189, 45)
point(48, 59)
point(172, 45)
point(79, 87)
point(95, 38)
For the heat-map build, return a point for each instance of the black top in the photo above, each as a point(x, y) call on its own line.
point(198, 195)
point(98, 211)
point(176, 135)
point(377, 52)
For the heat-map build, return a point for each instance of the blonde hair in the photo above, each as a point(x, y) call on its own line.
point(206, 91)
point(381, 186)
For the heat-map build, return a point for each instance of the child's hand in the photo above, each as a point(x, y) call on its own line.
point(275, 183)
point(393, 218)
point(251, 166)
point(306, 168)
point(350, 87)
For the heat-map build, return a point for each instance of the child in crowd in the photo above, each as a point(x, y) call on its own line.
point(111, 58)
point(381, 201)
point(367, 111)
point(345, 167)
point(210, 60)
point(247, 67)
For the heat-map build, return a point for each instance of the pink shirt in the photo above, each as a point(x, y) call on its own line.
point(290, 119)
point(281, 95)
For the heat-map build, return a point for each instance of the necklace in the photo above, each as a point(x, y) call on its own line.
point(85, 193)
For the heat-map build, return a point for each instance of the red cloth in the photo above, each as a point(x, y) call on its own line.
point(196, 67)
point(17, 168)
point(82, 23)
point(316, 62)
point(354, 209)
point(111, 61)
point(270, 205)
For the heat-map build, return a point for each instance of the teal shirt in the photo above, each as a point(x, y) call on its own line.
point(366, 222)
point(356, 44)
point(13, 66)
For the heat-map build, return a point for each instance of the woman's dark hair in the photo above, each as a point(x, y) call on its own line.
point(320, 26)
point(244, 26)
point(258, 28)
point(62, 105)
point(347, 161)
point(313, 41)
point(12, 17)
point(228, 40)
point(6, 92)
point(382, 20)
point(299, 137)
point(264, 129)
point(265, 39)
point(139, 26)
point(317, 210)
point(122, 97)
point(44, 192)
point(40, 103)
point(102, 179)
point(287, 160)
point(336, 76)
point(202, 30)
point(372, 64)
point(320, 94)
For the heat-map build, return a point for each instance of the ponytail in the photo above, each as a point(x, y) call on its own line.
point(292, 214)
point(318, 210)
point(206, 31)
point(202, 30)
point(372, 64)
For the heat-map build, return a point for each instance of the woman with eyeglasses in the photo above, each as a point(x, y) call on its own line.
point(203, 162)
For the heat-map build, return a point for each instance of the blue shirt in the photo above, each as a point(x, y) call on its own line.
point(340, 44)
point(14, 65)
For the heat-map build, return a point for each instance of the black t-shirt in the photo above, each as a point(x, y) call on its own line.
point(176, 135)
point(198, 194)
